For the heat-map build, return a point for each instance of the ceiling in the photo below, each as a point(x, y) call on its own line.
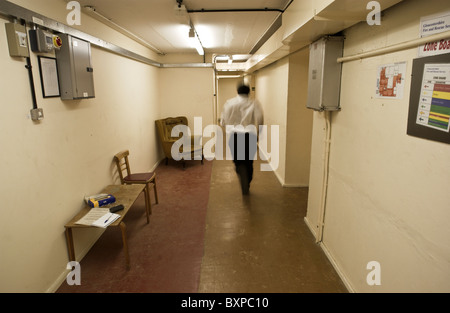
point(224, 26)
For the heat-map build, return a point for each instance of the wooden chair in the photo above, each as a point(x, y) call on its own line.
point(126, 177)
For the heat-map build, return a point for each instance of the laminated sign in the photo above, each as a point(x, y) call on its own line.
point(431, 25)
point(434, 103)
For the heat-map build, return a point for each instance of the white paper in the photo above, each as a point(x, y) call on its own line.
point(93, 215)
point(431, 25)
point(106, 220)
point(49, 77)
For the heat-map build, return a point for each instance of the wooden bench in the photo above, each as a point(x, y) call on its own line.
point(125, 195)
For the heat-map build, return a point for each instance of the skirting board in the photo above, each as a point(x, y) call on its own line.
point(282, 182)
point(61, 278)
point(330, 257)
point(273, 171)
point(311, 228)
point(156, 165)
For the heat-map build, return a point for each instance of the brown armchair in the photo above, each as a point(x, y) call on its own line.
point(183, 153)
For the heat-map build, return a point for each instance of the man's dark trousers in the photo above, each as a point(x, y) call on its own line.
point(243, 150)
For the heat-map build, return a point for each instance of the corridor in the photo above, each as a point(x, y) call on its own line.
point(205, 237)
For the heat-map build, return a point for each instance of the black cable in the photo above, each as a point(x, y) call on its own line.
point(30, 73)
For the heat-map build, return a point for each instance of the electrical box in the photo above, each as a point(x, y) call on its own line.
point(17, 40)
point(43, 41)
point(37, 114)
point(75, 72)
point(324, 81)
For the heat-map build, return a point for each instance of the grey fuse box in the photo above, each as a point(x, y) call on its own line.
point(75, 72)
point(324, 81)
point(41, 40)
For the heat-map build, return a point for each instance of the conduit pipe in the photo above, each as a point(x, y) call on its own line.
point(90, 10)
point(397, 47)
point(326, 170)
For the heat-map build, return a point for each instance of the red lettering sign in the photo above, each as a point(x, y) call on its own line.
point(444, 45)
point(431, 46)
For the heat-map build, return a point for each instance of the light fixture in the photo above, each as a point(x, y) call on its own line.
point(228, 76)
point(195, 41)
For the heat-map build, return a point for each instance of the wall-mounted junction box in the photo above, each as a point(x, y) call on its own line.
point(37, 114)
point(41, 40)
point(324, 81)
point(17, 40)
point(75, 72)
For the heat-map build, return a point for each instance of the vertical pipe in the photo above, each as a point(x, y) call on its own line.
point(215, 91)
point(325, 177)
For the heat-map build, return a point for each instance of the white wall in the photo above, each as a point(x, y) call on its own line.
point(187, 92)
point(299, 122)
point(271, 91)
point(388, 198)
point(282, 90)
point(48, 167)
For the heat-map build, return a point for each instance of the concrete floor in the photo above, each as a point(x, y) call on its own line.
point(260, 243)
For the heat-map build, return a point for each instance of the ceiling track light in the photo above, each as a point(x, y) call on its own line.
point(193, 36)
point(191, 32)
point(195, 41)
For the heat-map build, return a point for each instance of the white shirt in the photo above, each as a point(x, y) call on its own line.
point(241, 110)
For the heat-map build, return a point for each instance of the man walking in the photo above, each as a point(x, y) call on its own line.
point(242, 116)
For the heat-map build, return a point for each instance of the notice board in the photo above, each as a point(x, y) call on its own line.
point(429, 104)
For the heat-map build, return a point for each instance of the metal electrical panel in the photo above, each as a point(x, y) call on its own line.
point(43, 41)
point(17, 40)
point(75, 72)
point(324, 81)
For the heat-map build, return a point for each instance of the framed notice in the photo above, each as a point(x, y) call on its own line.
point(49, 77)
point(429, 107)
